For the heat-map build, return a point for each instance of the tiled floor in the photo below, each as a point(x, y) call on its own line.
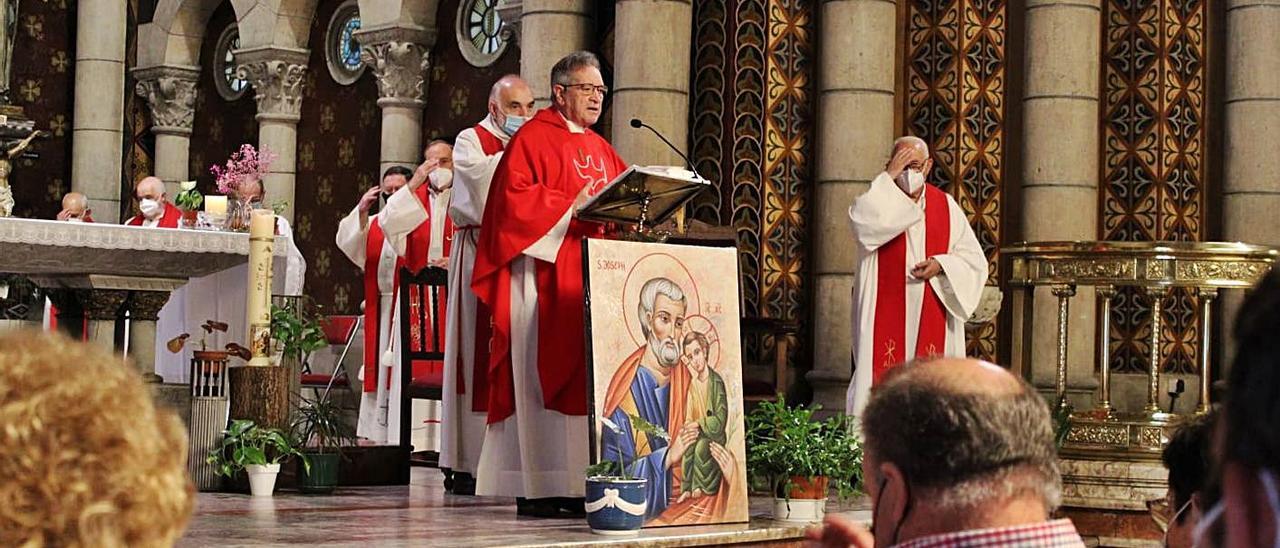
point(423, 515)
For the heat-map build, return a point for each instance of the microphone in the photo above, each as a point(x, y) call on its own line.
point(636, 123)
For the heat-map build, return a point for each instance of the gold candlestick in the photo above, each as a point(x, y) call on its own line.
point(262, 236)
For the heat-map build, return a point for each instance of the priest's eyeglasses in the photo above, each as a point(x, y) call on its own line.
point(589, 89)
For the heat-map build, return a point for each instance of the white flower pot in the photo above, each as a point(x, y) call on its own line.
point(262, 478)
point(799, 510)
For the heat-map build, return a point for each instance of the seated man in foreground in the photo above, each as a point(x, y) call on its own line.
point(956, 452)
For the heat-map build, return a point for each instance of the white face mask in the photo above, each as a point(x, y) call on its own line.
point(441, 178)
point(910, 180)
point(1268, 480)
point(74, 220)
point(150, 208)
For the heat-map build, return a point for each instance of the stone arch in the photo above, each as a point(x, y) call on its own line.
point(175, 33)
point(274, 23)
point(419, 14)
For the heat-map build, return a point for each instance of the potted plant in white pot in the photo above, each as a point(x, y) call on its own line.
point(800, 457)
point(616, 500)
point(257, 451)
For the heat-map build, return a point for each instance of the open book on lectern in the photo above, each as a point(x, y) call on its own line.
point(646, 195)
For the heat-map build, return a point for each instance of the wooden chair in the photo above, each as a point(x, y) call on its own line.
point(754, 389)
point(422, 311)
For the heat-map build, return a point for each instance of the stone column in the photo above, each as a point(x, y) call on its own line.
point(1060, 168)
point(399, 59)
point(144, 310)
point(102, 308)
point(277, 75)
point(1252, 113)
point(549, 30)
point(97, 134)
point(651, 78)
point(170, 91)
point(855, 82)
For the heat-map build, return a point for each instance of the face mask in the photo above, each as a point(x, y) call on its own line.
point(910, 180)
point(513, 123)
point(150, 208)
point(74, 220)
point(1174, 519)
point(441, 178)
point(1268, 480)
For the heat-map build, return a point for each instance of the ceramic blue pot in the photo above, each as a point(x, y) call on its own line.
point(615, 506)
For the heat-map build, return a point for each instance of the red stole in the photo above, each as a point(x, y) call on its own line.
point(414, 258)
point(489, 145)
point(544, 168)
point(169, 220)
point(891, 292)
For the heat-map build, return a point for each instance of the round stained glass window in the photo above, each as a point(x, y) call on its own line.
point(342, 50)
point(480, 35)
point(229, 84)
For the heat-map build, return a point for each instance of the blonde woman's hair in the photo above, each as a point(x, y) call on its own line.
point(86, 457)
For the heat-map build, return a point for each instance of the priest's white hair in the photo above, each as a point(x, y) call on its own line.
point(910, 140)
point(649, 296)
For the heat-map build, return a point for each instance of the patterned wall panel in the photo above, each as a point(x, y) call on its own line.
point(42, 83)
point(751, 129)
point(458, 93)
point(220, 126)
point(955, 100)
point(1153, 151)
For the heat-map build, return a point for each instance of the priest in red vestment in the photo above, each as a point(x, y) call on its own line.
point(153, 205)
point(920, 272)
point(476, 155)
point(397, 236)
point(528, 272)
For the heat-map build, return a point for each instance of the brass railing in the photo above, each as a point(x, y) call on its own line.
point(1154, 268)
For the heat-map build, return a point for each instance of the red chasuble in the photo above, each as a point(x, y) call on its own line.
point(490, 145)
point(169, 220)
point(891, 291)
point(414, 258)
point(543, 170)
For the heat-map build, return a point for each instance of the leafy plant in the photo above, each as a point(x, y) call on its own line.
point(279, 206)
point(618, 468)
point(298, 334)
point(190, 198)
point(320, 424)
point(244, 443)
point(1061, 420)
point(785, 442)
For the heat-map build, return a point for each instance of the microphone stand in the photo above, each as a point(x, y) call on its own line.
point(637, 123)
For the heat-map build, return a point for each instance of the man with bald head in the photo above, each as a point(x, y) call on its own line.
point(956, 452)
point(466, 353)
point(153, 205)
point(920, 271)
point(75, 208)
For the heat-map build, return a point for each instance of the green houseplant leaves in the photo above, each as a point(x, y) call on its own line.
point(785, 442)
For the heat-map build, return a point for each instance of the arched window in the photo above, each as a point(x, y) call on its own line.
point(230, 85)
point(342, 51)
point(479, 32)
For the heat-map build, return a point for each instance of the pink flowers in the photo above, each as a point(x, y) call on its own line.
point(243, 163)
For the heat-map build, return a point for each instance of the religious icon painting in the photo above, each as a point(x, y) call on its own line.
point(665, 358)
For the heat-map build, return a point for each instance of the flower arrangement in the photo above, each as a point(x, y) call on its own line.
point(244, 162)
point(190, 198)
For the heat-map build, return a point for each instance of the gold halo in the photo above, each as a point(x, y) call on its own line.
point(702, 324)
point(656, 265)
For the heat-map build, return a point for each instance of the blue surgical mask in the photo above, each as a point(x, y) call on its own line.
point(513, 123)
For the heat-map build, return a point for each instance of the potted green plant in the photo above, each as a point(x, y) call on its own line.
point(189, 201)
point(257, 451)
point(800, 456)
point(321, 432)
point(616, 500)
point(297, 332)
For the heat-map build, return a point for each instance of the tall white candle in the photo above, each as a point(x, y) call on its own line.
point(262, 236)
point(215, 205)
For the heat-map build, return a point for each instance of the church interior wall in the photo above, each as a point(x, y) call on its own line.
point(458, 92)
point(42, 77)
point(338, 155)
point(221, 125)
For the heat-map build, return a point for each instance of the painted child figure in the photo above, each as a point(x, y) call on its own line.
point(707, 404)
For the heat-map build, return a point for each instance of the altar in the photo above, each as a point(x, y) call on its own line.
point(113, 273)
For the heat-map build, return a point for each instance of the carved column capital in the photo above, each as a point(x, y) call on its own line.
point(277, 77)
point(510, 12)
point(401, 69)
point(146, 305)
point(171, 93)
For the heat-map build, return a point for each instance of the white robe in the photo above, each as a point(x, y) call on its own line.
point(463, 429)
point(380, 410)
point(536, 452)
point(221, 297)
point(878, 217)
